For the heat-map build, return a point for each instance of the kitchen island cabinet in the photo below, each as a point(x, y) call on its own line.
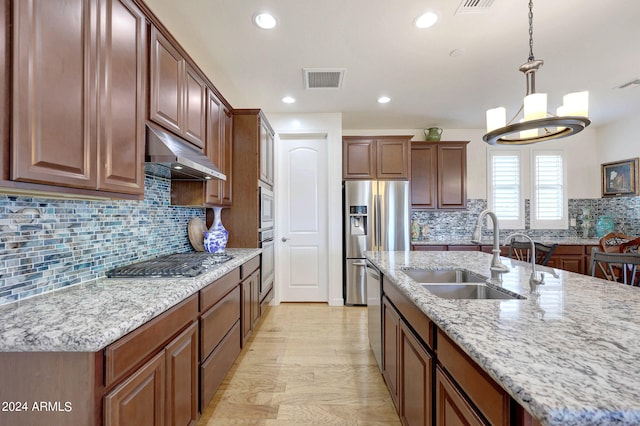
point(123, 349)
point(495, 358)
point(77, 122)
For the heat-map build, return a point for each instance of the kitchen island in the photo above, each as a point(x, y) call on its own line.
point(569, 355)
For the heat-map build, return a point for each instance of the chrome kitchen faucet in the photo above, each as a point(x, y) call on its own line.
point(497, 267)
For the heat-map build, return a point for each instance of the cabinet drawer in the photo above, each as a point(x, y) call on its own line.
point(217, 321)
point(249, 267)
point(130, 351)
point(218, 289)
point(569, 249)
point(421, 324)
point(428, 248)
point(464, 248)
point(490, 398)
point(214, 369)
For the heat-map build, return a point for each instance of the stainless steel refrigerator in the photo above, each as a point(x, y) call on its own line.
point(376, 217)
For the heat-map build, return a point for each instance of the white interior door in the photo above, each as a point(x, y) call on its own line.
point(302, 218)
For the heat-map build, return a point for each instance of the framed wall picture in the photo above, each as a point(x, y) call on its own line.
point(620, 178)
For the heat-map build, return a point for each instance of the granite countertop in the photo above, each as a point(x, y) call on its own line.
point(87, 317)
point(570, 355)
point(489, 241)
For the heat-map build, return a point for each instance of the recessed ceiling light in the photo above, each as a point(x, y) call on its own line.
point(265, 21)
point(288, 100)
point(384, 99)
point(426, 20)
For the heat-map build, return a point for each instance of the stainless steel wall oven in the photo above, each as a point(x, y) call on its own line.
point(268, 262)
point(267, 208)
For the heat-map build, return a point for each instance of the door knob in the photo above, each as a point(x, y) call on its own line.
point(284, 240)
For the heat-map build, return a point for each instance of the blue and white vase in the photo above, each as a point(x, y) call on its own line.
point(215, 239)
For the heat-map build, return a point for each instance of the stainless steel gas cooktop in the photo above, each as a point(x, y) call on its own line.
point(171, 266)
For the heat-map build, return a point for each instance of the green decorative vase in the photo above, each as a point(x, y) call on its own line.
point(604, 225)
point(433, 134)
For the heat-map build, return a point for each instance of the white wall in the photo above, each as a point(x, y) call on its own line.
point(583, 166)
point(331, 125)
point(619, 141)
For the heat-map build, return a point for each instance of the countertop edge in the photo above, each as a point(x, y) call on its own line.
point(65, 330)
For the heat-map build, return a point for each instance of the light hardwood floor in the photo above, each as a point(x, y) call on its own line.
point(306, 363)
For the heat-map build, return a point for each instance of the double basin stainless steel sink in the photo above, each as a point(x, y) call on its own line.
point(457, 284)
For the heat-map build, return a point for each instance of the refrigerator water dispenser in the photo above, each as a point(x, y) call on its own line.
point(358, 225)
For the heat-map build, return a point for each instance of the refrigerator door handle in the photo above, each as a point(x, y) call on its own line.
point(359, 263)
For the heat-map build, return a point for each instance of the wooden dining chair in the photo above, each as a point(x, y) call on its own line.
point(521, 250)
point(619, 267)
point(630, 247)
point(611, 242)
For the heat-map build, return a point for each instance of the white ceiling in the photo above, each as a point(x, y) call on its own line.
point(586, 45)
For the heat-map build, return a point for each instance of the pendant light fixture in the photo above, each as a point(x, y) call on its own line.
point(536, 124)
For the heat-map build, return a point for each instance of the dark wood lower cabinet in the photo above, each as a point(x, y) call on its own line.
point(407, 368)
point(451, 406)
point(162, 373)
point(162, 392)
point(390, 344)
point(216, 366)
point(416, 366)
point(433, 381)
point(182, 379)
point(140, 399)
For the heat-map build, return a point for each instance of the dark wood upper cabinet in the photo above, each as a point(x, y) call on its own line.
point(195, 108)
point(122, 89)
point(438, 175)
point(178, 96)
point(219, 150)
point(392, 158)
point(53, 94)
point(78, 94)
point(358, 158)
point(376, 157)
point(266, 153)
point(166, 82)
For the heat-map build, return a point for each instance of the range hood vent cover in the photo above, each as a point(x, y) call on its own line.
point(323, 78)
point(166, 155)
point(474, 6)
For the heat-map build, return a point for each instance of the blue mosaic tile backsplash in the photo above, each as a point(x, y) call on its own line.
point(457, 225)
point(47, 244)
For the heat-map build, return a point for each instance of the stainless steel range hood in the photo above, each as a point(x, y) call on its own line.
point(169, 156)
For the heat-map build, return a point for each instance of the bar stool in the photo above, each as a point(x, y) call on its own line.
point(520, 250)
point(618, 267)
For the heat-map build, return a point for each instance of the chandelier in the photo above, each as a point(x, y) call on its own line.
point(537, 125)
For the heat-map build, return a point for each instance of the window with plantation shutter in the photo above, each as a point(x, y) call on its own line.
point(505, 196)
point(549, 204)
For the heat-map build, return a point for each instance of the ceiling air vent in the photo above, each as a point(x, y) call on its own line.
point(474, 6)
point(323, 78)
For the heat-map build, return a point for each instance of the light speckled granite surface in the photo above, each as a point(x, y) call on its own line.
point(87, 317)
point(569, 355)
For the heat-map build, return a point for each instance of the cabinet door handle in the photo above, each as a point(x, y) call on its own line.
point(284, 240)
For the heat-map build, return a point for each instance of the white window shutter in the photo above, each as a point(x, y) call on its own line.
point(549, 202)
point(505, 188)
